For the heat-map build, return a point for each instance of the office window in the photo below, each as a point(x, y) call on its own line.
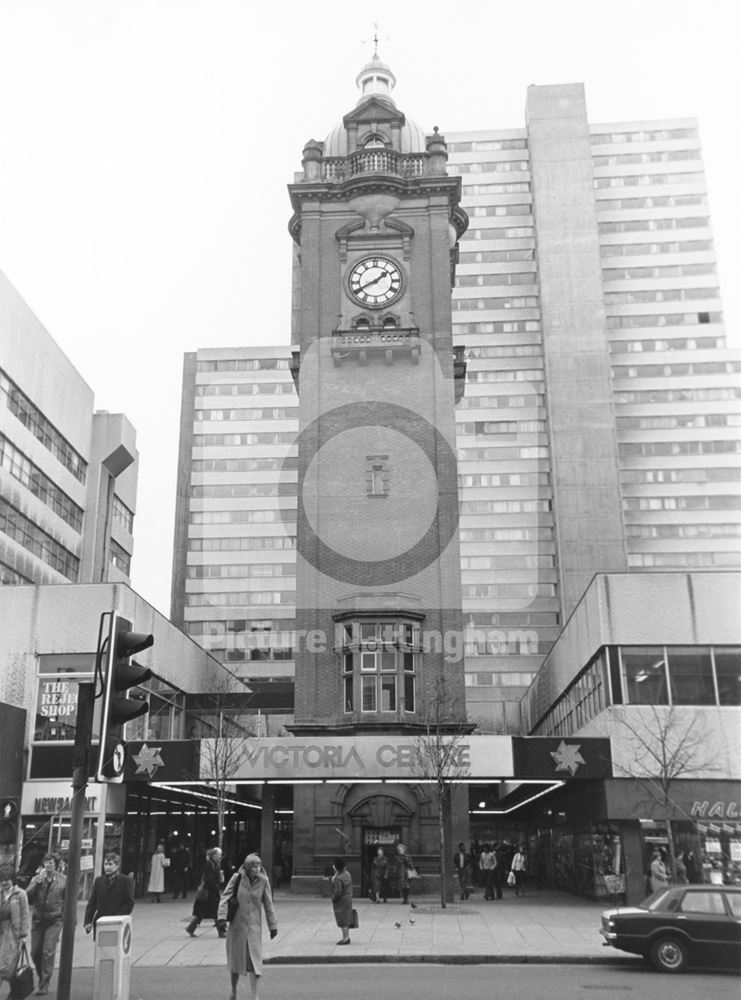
point(728, 674)
point(644, 675)
point(691, 675)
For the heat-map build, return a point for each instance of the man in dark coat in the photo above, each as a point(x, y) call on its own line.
point(112, 895)
point(206, 904)
point(45, 893)
point(180, 869)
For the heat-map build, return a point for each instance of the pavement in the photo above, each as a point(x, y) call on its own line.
point(541, 927)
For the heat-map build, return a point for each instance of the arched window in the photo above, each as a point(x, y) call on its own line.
point(361, 323)
point(374, 141)
point(389, 321)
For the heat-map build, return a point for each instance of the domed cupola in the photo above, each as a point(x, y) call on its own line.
point(375, 122)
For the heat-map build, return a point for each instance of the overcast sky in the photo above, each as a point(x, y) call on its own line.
point(145, 148)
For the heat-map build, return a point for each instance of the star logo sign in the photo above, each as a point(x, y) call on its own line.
point(567, 757)
point(148, 760)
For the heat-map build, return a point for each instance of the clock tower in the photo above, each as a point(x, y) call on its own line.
point(379, 644)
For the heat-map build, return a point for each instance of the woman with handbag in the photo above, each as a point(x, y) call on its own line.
point(15, 926)
point(206, 903)
point(518, 870)
point(243, 900)
point(342, 899)
point(405, 871)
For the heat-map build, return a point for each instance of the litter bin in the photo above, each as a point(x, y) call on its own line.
point(112, 958)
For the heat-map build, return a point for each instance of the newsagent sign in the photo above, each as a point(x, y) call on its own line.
point(375, 758)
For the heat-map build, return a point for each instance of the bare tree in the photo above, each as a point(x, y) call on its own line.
point(440, 755)
point(663, 745)
point(225, 728)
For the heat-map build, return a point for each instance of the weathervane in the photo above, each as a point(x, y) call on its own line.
point(375, 39)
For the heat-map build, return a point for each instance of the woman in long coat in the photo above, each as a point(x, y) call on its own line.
point(15, 923)
point(157, 874)
point(244, 937)
point(209, 889)
point(342, 899)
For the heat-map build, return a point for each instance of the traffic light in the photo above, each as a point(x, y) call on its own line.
point(121, 674)
point(8, 822)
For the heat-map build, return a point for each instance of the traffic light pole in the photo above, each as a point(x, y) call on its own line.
point(83, 736)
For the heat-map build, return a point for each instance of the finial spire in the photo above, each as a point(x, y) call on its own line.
point(375, 38)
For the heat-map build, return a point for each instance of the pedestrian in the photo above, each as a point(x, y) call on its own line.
point(690, 866)
point(251, 886)
point(15, 922)
point(500, 871)
point(112, 895)
point(404, 865)
point(657, 878)
point(45, 894)
point(342, 899)
point(180, 867)
point(518, 869)
point(380, 876)
point(488, 864)
point(462, 866)
point(206, 903)
point(157, 873)
point(680, 870)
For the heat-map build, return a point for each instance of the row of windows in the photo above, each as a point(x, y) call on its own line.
point(38, 483)
point(240, 655)
point(715, 502)
point(508, 562)
point(508, 590)
point(678, 447)
point(539, 534)
point(498, 643)
point(241, 544)
point(506, 351)
point(122, 516)
point(693, 475)
point(677, 675)
point(245, 389)
point(507, 402)
point(683, 530)
point(678, 560)
point(504, 506)
point(249, 413)
point(485, 233)
point(514, 187)
point(495, 326)
point(481, 145)
point(21, 407)
point(272, 630)
point(673, 344)
point(505, 479)
point(495, 211)
point(10, 577)
point(669, 422)
point(241, 570)
point(654, 156)
point(650, 135)
point(665, 271)
point(246, 438)
point(243, 599)
point(120, 557)
point(493, 679)
point(496, 166)
point(289, 463)
point(221, 490)
point(677, 395)
point(506, 278)
point(514, 619)
point(660, 295)
point(656, 201)
point(647, 180)
point(522, 302)
point(501, 451)
point(650, 225)
point(644, 249)
point(506, 427)
point(663, 319)
point(244, 365)
point(495, 256)
point(584, 699)
point(242, 516)
point(22, 530)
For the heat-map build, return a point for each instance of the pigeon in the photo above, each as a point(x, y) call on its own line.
point(397, 924)
point(414, 906)
point(411, 920)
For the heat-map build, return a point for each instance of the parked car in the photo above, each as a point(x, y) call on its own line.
point(680, 925)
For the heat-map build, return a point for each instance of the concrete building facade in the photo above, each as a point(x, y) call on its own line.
point(68, 473)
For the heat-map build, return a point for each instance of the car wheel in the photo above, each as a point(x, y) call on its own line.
point(669, 954)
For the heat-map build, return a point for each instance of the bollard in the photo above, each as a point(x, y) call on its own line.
point(112, 958)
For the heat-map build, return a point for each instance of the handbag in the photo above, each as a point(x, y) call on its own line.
point(21, 982)
point(233, 903)
point(511, 879)
point(354, 922)
point(202, 894)
point(412, 873)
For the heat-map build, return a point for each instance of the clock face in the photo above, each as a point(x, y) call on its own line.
point(375, 282)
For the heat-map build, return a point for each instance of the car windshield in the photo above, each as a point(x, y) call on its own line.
point(656, 901)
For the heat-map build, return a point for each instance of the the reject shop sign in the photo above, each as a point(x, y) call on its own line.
point(375, 758)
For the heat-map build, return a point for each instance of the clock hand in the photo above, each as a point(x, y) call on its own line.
point(373, 282)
